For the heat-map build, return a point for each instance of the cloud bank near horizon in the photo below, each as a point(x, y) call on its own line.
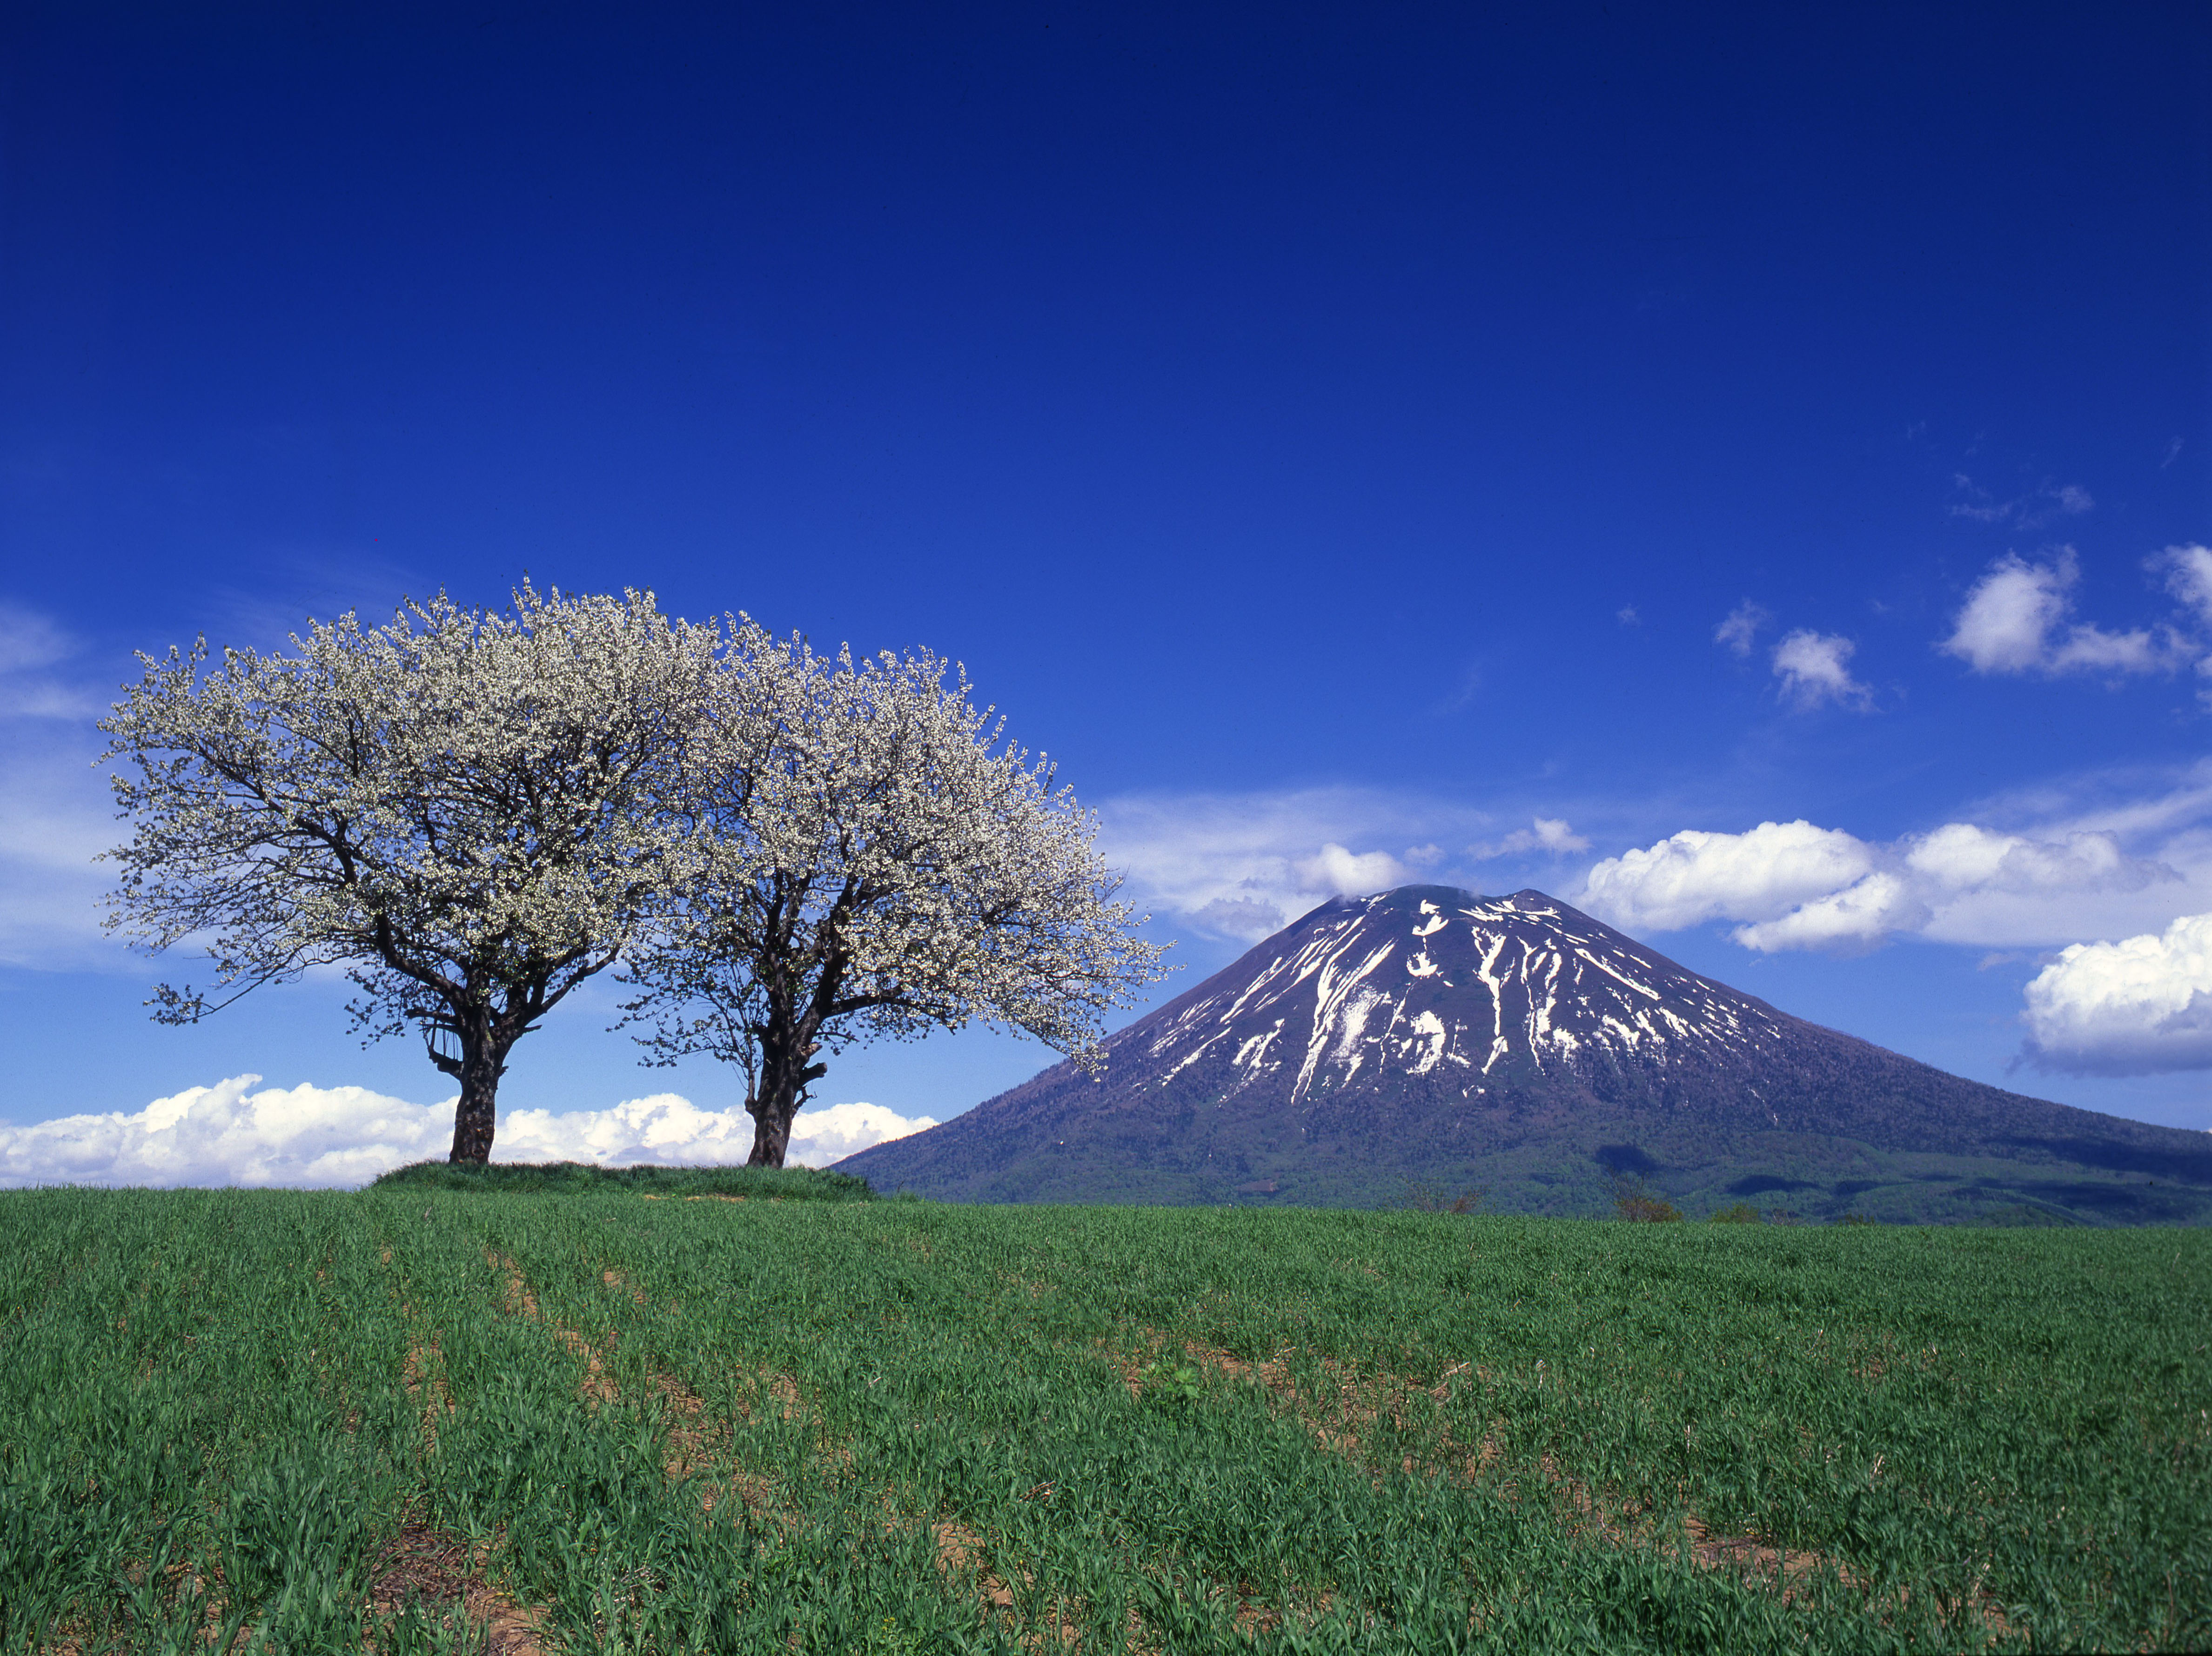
point(341, 1137)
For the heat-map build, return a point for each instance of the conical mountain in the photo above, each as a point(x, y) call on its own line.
point(1427, 1041)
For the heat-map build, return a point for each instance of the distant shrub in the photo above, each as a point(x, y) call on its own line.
point(1742, 1213)
point(581, 1179)
point(1855, 1219)
point(1638, 1205)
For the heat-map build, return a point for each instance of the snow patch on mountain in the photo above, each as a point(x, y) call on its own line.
point(1383, 985)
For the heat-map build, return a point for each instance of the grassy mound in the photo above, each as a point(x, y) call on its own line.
point(581, 1179)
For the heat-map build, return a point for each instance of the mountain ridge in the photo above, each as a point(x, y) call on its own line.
point(1433, 1036)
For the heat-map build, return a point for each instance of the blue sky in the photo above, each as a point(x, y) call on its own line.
point(1341, 437)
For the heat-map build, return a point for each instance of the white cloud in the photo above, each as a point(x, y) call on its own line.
point(1550, 834)
point(2039, 505)
point(1740, 627)
point(30, 642)
point(823, 1133)
point(55, 809)
point(2189, 577)
point(1960, 856)
point(227, 1135)
point(1340, 873)
point(42, 698)
point(2014, 619)
point(55, 818)
point(1244, 865)
point(2009, 614)
point(1696, 876)
point(669, 1130)
point(309, 1136)
point(2139, 1006)
point(1859, 916)
point(1815, 668)
point(1793, 886)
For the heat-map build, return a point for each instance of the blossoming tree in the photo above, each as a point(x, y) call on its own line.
point(467, 810)
point(877, 860)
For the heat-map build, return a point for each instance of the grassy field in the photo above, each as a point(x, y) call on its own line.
point(604, 1417)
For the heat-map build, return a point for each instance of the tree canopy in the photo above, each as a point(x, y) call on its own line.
point(466, 810)
point(875, 859)
point(473, 812)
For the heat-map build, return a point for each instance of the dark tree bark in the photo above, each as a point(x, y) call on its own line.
point(782, 1090)
point(477, 1114)
point(771, 1137)
point(469, 1037)
point(788, 1037)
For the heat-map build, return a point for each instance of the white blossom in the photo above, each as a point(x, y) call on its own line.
point(877, 859)
point(466, 809)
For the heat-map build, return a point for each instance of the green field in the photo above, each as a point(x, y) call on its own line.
point(606, 1417)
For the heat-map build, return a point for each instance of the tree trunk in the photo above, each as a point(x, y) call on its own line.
point(784, 1075)
point(771, 1137)
point(476, 1113)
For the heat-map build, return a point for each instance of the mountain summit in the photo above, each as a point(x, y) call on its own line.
point(1428, 1040)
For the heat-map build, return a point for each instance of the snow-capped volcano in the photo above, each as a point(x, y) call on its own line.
point(1430, 981)
point(1431, 1036)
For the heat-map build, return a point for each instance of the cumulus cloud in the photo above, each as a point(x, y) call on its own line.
point(1793, 885)
point(1550, 834)
point(1740, 627)
point(1695, 876)
point(1858, 917)
point(1815, 668)
point(2015, 621)
point(1341, 873)
point(231, 1133)
point(2139, 1006)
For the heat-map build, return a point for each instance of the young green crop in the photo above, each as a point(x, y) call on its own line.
point(667, 1424)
